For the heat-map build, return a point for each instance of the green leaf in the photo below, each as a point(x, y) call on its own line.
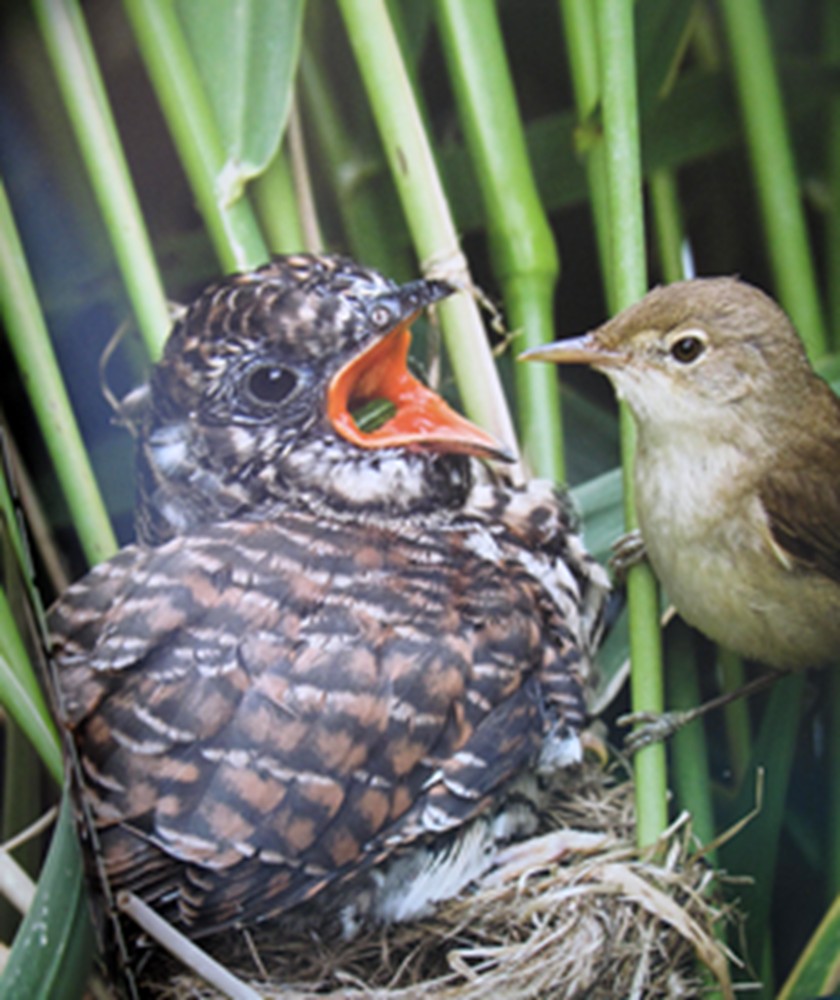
point(246, 53)
point(773, 750)
point(370, 416)
point(817, 973)
point(53, 949)
point(600, 502)
point(829, 367)
point(20, 691)
point(412, 20)
point(26, 706)
point(662, 31)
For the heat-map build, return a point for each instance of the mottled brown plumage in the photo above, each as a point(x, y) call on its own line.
point(296, 690)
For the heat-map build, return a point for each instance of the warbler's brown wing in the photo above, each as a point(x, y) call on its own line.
point(262, 710)
point(801, 497)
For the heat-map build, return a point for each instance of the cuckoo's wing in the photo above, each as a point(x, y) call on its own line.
point(262, 709)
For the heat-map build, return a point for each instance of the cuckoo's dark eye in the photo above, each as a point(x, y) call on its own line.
point(270, 383)
point(687, 349)
point(385, 312)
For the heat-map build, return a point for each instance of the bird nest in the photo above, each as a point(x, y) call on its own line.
point(577, 911)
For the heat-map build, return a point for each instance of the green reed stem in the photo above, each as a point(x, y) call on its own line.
point(276, 203)
point(771, 152)
point(350, 164)
point(74, 63)
point(667, 224)
point(521, 242)
point(227, 214)
point(584, 64)
point(22, 697)
point(424, 203)
point(624, 198)
point(30, 343)
point(690, 757)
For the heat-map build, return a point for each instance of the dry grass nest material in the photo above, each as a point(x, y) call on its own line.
point(577, 911)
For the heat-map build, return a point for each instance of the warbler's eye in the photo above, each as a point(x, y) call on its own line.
point(687, 349)
point(270, 383)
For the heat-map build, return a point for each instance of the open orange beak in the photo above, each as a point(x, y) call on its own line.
point(422, 418)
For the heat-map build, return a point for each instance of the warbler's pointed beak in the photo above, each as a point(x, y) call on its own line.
point(421, 418)
point(585, 350)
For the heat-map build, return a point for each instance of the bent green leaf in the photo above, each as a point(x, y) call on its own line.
point(246, 53)
point(53, 949)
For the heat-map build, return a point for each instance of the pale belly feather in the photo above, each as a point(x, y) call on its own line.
point(716, 565)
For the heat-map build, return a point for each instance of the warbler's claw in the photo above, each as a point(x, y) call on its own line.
point(652, 727)
point(627, 551)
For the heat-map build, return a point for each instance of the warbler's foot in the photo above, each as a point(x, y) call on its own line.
point(627, 552)
point(656, 726)
point(653, 727)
